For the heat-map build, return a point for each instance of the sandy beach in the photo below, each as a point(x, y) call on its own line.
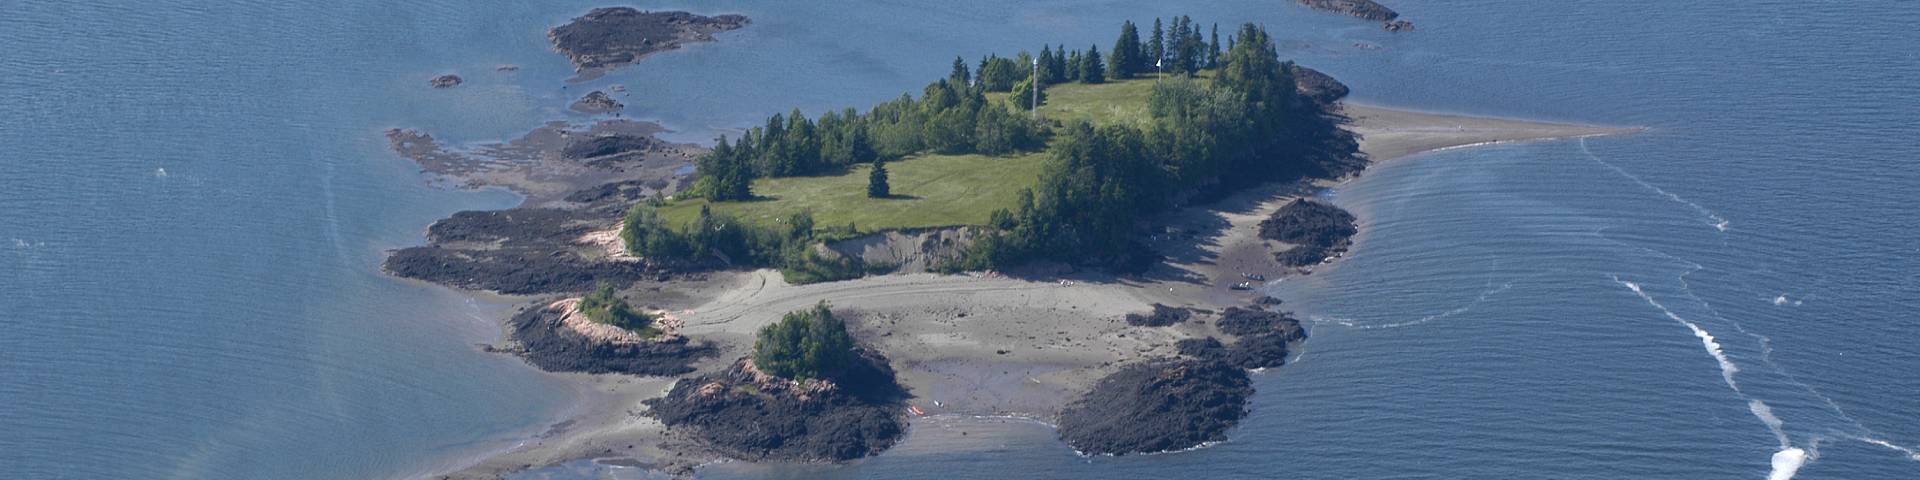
point(993, 344)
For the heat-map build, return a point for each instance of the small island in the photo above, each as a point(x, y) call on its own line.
point(814, 283)
point(609, 38)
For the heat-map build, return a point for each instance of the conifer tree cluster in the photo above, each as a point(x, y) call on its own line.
point(950, 117)
point(804, 344)
point(1246, 126)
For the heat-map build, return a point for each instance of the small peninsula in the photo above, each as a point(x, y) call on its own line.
point(1095, 263)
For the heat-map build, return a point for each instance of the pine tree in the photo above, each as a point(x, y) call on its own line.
point(1046, 64)
point(877, 181)
point(1060, 65)
point(960, 76)
point(1126, 53)
point(1213, 48)
point(1091, 71)
point(1156, 47)
point(1074, 63)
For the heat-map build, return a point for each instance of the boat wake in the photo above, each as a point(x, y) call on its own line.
point(1789, 458)
point(1714, 219)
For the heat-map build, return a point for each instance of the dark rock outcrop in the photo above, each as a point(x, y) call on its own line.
point(446, 81)
point(1318, 86)
point(1243, 322)
point(547, 343)
point(596, 102)
point(1157, 406)
point(606, 145)
point(748, 415)
point(1398, 26)
point(609, 38)
point(514, 271)
point(1317, 230)
point(1365, 9)
point(1161, 316)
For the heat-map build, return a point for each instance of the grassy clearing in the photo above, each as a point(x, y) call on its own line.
point(1112, 103)
point(929, 191)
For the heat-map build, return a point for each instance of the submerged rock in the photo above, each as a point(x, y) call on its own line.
point(1157, 406)
point(446, 81)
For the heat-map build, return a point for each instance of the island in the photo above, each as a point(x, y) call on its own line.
point(804, 290)
point(1364, 9)
point(609, 38)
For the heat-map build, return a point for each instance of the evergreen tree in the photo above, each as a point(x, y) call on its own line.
point(1126, 53)
point(960, 76)
point(1213, 48)
point(1023, 96)
point(1157, 48)
point(1045, 65)
point(1060, 65)
point(1091, 70)
point(877, 181)
point(1074, 62)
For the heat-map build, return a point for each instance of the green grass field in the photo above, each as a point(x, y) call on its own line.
point(929, 191)
point(1112, 103)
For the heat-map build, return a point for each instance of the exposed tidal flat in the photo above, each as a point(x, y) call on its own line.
point(1514, 323)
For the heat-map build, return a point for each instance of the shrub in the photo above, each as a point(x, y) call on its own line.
point(602, 306)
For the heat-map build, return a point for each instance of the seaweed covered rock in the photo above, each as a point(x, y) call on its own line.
point(747, 414)
point(1241, 322)
point(1316, 229)
point(1157, 406)
point(596, 102)
point(1265, 350)
point(605, 145)
point(1161, 316)
point(547, 341)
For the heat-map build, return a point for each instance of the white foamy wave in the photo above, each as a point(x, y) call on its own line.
point(1780, 300)
point(1718, 222)
point(1727, 367)
point(1438, 316)
point(1787, 462)
point(160, 172)
point(1765, 414)
point(1910, 453)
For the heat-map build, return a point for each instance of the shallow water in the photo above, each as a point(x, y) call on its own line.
point(195, 200)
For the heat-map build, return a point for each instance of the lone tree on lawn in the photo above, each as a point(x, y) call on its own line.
point(804, 344)
point(877, 181)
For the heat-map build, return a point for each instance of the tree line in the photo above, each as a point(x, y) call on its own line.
point(1249, 125)
point(949, 117)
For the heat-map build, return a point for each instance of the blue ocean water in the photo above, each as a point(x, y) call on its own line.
point(194, 200)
